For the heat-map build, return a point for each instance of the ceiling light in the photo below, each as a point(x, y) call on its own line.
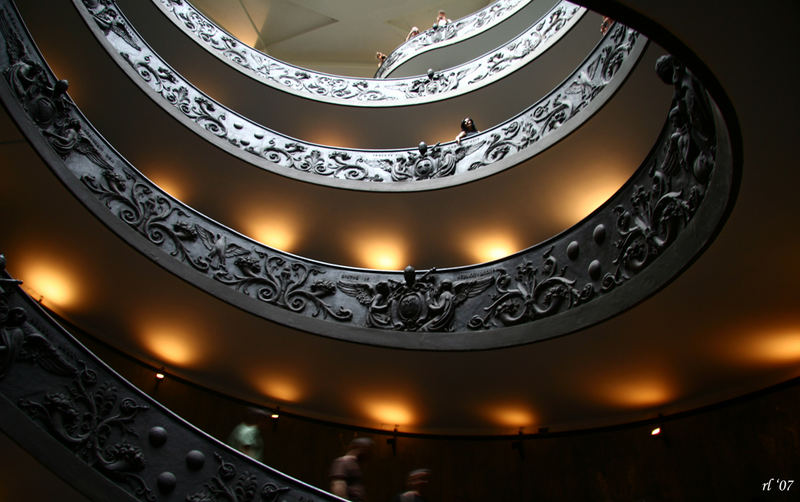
point(273, 231)
point(586, 195)
point(512, 416)
point(779, 347)
point(50, 283)
point(169, 185)
point(279, 388)
point(638, 392)
point(389, 412)
point(171, 343)
point(489, 246)
point(380, 252)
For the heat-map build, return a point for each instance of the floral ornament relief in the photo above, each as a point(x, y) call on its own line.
point(645, 225)
point(395, 169)
point(376, 91)
point(97, 425)
point(231, 485)
point(286, 283)
point(265, 276)
point(423, 303)
point(679, 177)
point(87, 416)
point(530, 294)
point(644, 218)
point(458, 30)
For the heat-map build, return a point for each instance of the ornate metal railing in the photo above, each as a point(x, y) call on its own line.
point(660, 220)
point(418, 168)
point(103, 436)
point(457, 31)
point(351, 90)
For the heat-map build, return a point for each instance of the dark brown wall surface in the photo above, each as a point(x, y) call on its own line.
point(726, 452)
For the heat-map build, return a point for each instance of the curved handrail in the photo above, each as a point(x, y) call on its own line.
point(370, 92)
point(639, 240)
point(413, 169)
point(457, 31)
point(107, 438)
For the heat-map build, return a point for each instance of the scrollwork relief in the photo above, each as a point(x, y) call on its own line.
point(103, 421)
point(396, 169)
point(532, 293)
point(97, 424)
point(232, 485)
point(678, 177)
point(379, 92)
point(46, 103)
point(562, 106)
point(241, 265)
point(592, 260)
point(425, 303)
point(457, 31)
point(85, 413)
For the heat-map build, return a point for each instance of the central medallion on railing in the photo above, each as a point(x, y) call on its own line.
point(423, 303)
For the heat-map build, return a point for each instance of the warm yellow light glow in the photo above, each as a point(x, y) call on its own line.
point(160, 376)
point(656, 431)
point(389, 412)
point(276, 232)
point(589, 195)
point(50, 282)
point(170, 185)
point(640, 393)
point(776, 347)
point(380, 252)
point(171, 343)
point(280, 387)
point(512, 416)
point(490, 246)
point(331, 135)
point(241, 26)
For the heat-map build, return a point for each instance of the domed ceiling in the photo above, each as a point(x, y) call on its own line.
point(727, 325)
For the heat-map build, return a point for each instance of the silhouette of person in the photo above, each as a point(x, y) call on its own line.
point(467, 129)
point(605, 25)
point(246, 437)
point(346, 476)
point(415, 485)
point(441, 20)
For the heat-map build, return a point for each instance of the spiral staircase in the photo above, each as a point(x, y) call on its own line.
point(269, 235)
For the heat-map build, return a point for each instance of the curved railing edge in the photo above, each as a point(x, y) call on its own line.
point(615, 9)
point(368, 92)
point(100, 433)
point(566, 283)
point(54, 456)
point(398, 57)
point(554, 116)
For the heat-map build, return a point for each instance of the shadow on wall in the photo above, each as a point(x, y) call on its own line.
point(727, 452)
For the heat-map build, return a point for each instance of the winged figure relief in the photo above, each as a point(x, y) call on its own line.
point(109, 20)
point(219, 248)
point(419, 304)
point(375, 299)
point(447, 297)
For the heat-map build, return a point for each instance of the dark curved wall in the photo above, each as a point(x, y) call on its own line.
point(725, 452)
